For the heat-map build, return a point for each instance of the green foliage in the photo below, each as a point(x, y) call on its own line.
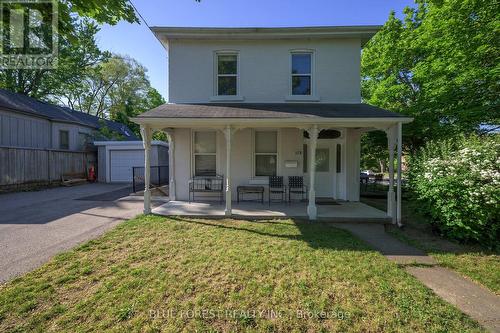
point(105, 133)
point(439, 65)
point(77, 48)
point(457, 182)
point(374, 153)
point(102, 11)
point(131, 94)
point(77, 55)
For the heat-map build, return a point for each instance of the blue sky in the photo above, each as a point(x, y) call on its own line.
point(138, 42)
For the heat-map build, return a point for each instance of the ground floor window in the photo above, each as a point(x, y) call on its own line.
point(205, 153)
point(266, 153)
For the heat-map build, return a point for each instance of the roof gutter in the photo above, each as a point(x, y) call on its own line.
point(281, 122)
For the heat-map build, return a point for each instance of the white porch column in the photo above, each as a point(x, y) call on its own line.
point(228, 132)
point(400, 152)
point(146, 134)
point(391, 198)
point(171, 164)
point(313, 140)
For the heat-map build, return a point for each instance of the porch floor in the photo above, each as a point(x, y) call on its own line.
point(341, 212)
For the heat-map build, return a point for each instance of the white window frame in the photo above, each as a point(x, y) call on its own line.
point(217, 75)
point(194, 153)
point(310, 53)
point(254, 153)
point(312, 96)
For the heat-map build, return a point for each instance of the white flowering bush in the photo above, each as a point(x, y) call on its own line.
point(457, 183)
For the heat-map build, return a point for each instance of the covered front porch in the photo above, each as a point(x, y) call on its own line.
point(338, 212)
point(231, 146)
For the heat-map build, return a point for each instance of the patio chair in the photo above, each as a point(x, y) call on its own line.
point(296, 186)
point(276, 186)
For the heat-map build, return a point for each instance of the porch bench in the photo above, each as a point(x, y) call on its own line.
point(70, 179)
point(250, 189)
point(208, 184)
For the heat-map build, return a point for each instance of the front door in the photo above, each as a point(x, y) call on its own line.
point(325, 169)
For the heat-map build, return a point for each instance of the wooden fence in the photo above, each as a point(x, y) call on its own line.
point(19, 166)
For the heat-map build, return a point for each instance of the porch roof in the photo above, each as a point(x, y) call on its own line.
point(269, 111)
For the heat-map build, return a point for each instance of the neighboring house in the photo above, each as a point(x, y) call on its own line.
point(29, 123)
point(249, 103)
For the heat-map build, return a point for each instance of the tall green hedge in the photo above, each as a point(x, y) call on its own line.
point(457, 183)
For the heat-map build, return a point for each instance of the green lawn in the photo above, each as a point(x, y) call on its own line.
point(155, 274)
point(471, 261)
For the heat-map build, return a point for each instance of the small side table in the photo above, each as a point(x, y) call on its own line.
point(250, 189)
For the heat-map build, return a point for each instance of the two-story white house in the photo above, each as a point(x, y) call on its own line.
point(247, 104)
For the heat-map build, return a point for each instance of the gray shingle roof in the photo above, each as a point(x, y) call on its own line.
point(269, 110)
point(26, 104)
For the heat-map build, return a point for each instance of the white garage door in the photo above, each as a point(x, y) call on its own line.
point(122, 162)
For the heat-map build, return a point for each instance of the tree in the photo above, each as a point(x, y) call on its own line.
point(134, 107)
point(77, 49)
point(116, 88)
point(439, 65)
point(104, 85)
point(374, 154)
point(73, 61)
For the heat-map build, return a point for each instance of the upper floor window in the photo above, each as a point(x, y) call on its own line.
point(63, 139)
point(227, 74)
point(301, 73)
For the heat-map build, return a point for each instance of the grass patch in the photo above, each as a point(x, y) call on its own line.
point(471, 261)
point(155, 274)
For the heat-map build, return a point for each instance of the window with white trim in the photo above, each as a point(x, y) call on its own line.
point(227, 74)
point(301, 76)
point(205, 153)
point(266, 153)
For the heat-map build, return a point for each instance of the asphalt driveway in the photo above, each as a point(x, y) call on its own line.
point(34, 226)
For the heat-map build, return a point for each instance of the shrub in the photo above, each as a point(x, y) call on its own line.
point(457, 182)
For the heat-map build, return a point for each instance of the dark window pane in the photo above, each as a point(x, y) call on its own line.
point(301, 85)
point(265, 165)
point(227, 85)
point(304, 158)
point(227, 64)
point(339, 159)
point(301, 64)
point(204, 165)
point(63, 140)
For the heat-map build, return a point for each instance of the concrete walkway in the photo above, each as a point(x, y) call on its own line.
point(476, 301)
point(34, 226)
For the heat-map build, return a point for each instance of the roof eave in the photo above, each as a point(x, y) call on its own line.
point(159, 122)
point(195, 33)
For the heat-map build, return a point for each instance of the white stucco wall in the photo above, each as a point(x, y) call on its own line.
point(264, 69)
point(290, 146)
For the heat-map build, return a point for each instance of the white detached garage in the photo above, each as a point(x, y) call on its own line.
point(115, 159)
